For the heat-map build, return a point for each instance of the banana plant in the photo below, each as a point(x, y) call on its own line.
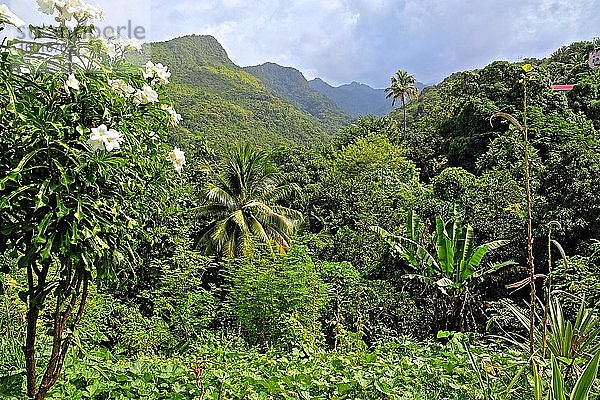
point(446, 258)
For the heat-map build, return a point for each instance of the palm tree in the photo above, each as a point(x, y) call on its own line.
point(241, 203)
point(402, 86)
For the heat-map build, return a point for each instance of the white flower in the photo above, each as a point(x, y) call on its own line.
point(110, 46)
point(102, 138)
point(162, 73)
point(113, 140)
point(69, 9)
point(6, 15)
point(87, 11)
point(158, 73)
point(132, 44)
point(121, 87)
point(111, 49)
point(46, 6)
point(150, 95)
point(175, 117)
point(72, 83)
point(98, 137)
point(65, 10)
point(149, 71)
point(153, 135)
point(177, 157)
point(146, 95)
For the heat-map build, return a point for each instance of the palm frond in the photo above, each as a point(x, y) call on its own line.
point(242, 203)
point(218, 195)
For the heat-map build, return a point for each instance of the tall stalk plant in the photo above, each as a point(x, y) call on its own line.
point(525, 78)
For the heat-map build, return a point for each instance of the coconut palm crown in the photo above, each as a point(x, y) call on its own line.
point(402, 86)
point(241, 203)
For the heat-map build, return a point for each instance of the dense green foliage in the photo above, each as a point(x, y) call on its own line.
point(302, 270)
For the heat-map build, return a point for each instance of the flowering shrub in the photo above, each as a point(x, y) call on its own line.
point(84, 161)
point(8, 17)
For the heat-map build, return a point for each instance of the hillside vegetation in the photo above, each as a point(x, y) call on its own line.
point(251, 254)
point(289, 84)
point(225, 104)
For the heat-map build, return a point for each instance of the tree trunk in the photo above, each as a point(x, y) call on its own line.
point(29, 350)
point(33, 313)
point(404, 109)
point(78, 286)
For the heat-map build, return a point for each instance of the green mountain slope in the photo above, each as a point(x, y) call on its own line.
point(225, 104)
point(289, 84)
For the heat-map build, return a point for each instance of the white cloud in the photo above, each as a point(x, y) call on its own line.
point(363, 40)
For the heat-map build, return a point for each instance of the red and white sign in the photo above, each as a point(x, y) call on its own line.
point(561, 88)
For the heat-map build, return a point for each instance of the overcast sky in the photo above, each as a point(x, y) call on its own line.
point(362, 40)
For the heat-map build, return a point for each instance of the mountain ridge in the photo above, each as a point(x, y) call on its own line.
point(290, 84)
point(225, 104)
point(357, 99)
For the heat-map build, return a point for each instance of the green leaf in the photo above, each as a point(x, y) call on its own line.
point(74, 233)
point(468, 243)
point(478, 255)
point(40, 234)
point(5, 200)
point(41, 199)
point(584, 384)
point(61, 210)
point(537, 383)
point(449, 257)
point(441, 244)
point(65, 179)
point(79, 214)
point(558, 384)
point(443, 334)
point(47, 251)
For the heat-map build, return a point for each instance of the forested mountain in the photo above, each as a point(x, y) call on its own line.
point(355, 98)
point(289, 84)
point(224, 103)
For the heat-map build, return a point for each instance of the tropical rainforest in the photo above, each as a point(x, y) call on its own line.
point(173, 226)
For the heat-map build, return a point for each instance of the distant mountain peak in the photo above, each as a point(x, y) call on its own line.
point(225, 103)
point(357, 98)
point(354, 98)
point(195, 50)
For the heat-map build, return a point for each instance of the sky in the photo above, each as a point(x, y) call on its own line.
point(342, 41)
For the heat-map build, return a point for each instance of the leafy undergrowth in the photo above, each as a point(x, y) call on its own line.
point(397, 371)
